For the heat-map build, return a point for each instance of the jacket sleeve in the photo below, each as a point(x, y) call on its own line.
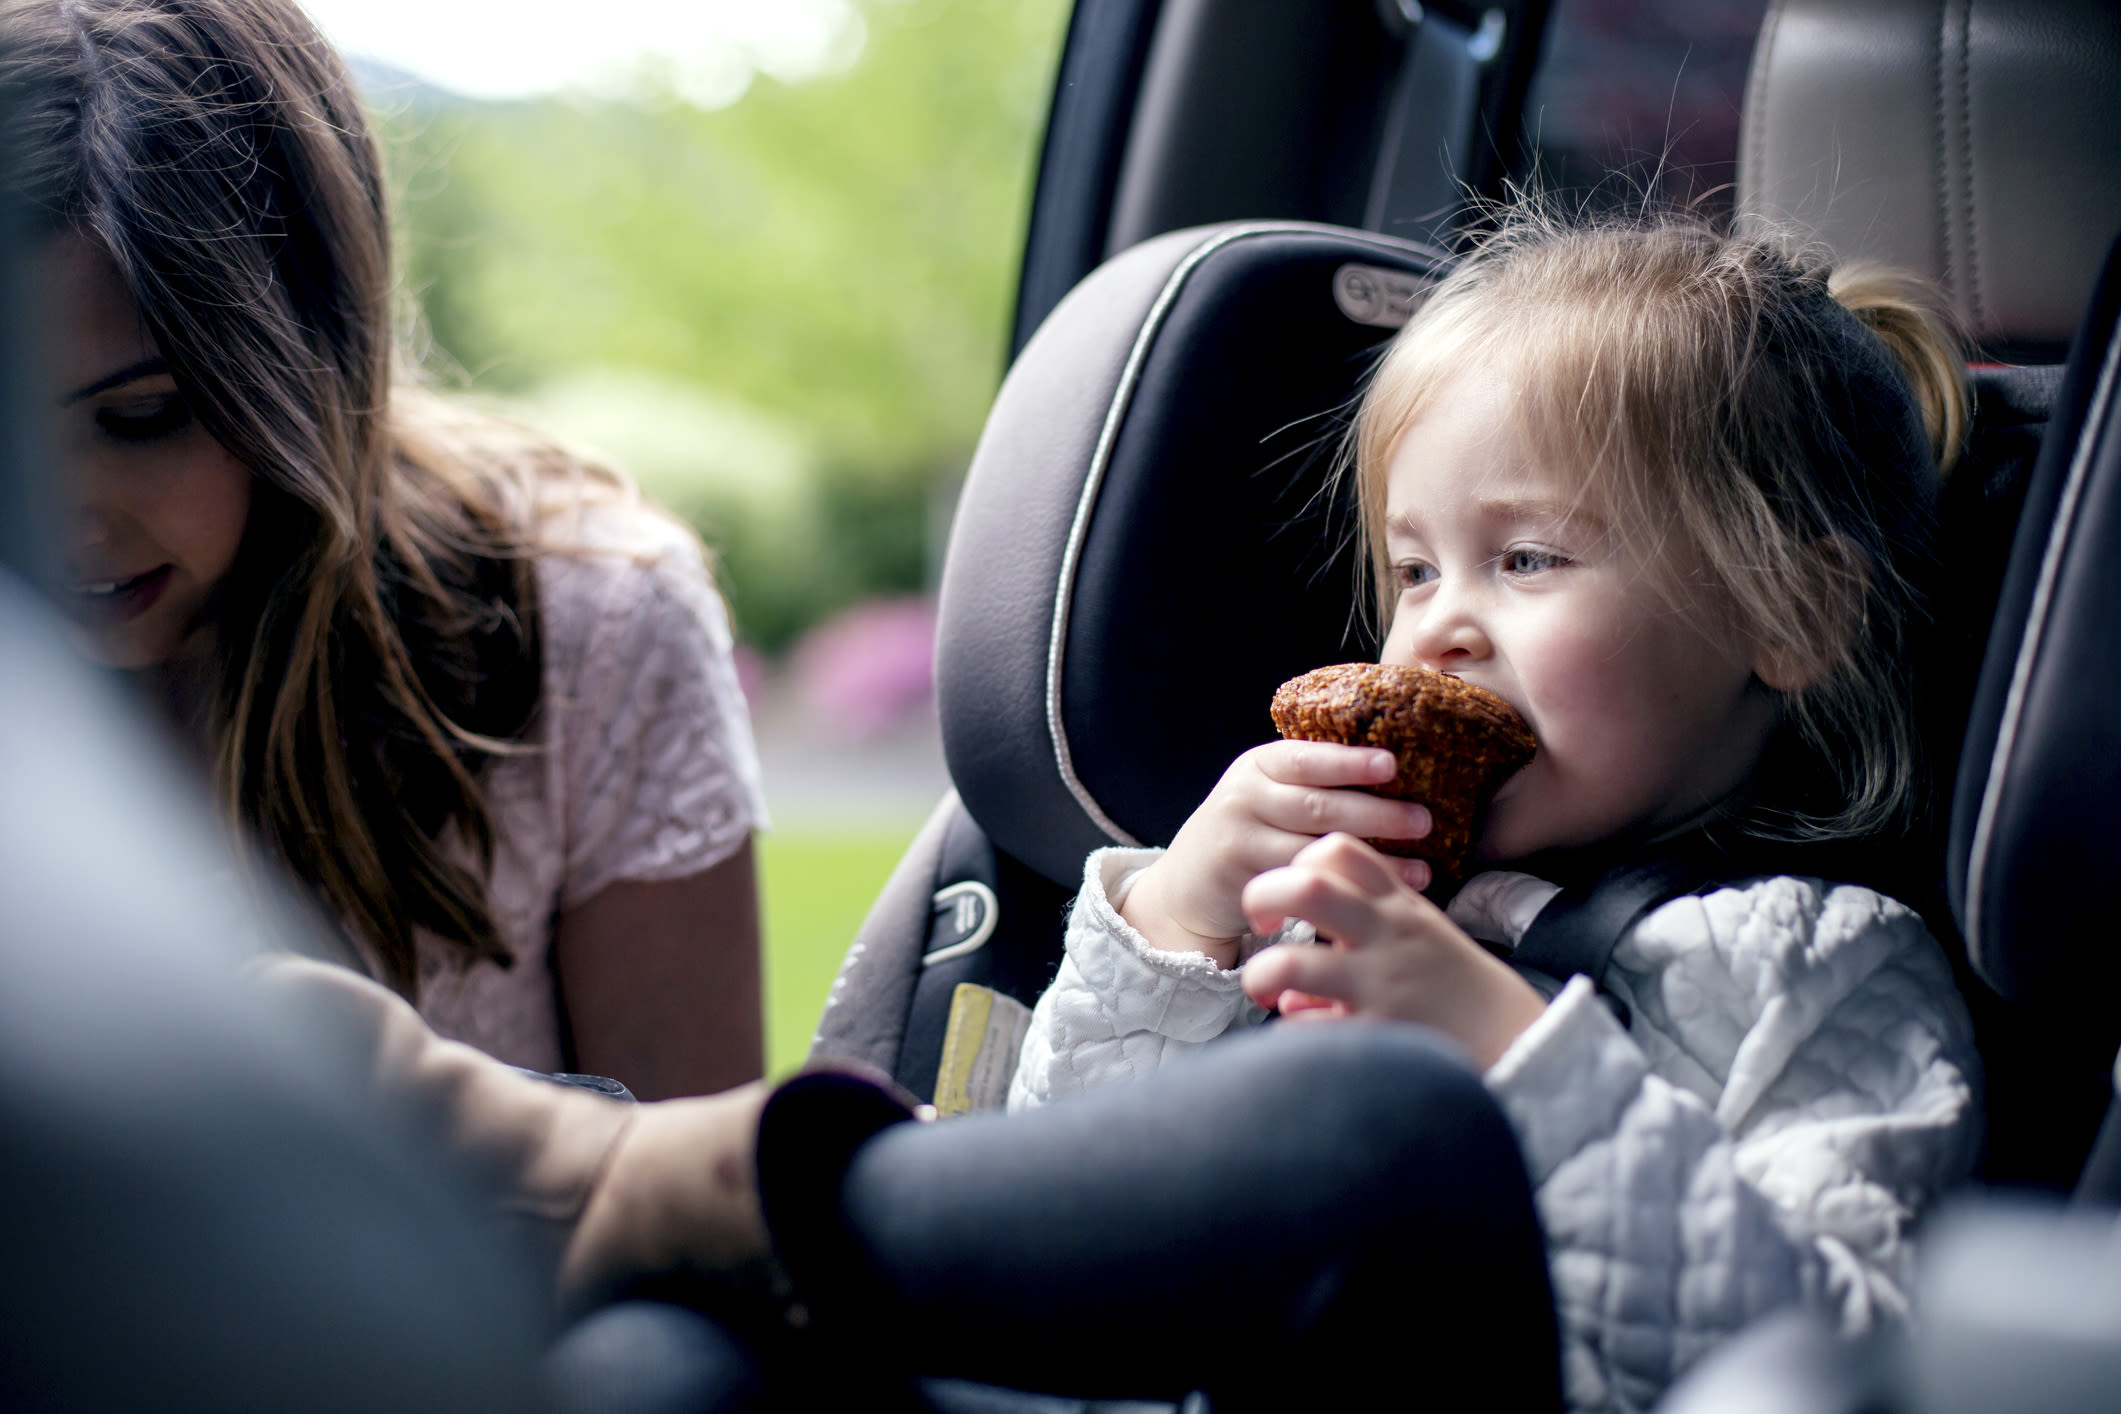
point(1119, 1006)
point(1797, 1086)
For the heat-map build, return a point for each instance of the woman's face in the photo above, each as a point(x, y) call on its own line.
point(156, 507)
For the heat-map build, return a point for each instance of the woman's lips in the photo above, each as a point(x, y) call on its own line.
point(117, 601)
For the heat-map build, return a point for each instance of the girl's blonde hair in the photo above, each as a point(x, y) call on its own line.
point(376, 641)
point(1771, 432)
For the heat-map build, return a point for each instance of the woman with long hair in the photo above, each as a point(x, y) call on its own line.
point(462, 685)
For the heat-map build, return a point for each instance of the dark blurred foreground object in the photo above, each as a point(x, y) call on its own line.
point(200, 1206)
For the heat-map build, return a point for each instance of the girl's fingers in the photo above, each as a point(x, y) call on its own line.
point(1317, 810)
point(1302, 1006)
point(1325, 763)
point(1349, 858)
point(1324, 975)
point(1343, 888)
point(1293, 1003)
point(1336, 906)
point(1362, 863)
point(1271, 848)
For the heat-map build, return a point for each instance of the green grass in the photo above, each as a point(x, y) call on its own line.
point(818, 884)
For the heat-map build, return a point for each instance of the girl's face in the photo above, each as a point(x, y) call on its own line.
point(1644, 717)
point(157, 506)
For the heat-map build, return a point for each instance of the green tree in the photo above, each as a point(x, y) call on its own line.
point(836, 257)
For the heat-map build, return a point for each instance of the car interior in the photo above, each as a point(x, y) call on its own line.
point(1238, 201)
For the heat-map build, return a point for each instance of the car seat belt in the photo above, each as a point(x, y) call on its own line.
point(1576, 932)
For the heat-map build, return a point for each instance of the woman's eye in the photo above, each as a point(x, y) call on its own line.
point(1413, 572)
point(1526, 561)
point(147, 421)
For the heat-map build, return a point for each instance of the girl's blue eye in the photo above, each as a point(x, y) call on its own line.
point(1524, 561)
point(145, 422)
point(1412, 573)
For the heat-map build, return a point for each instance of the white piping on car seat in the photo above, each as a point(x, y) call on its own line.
point(1079, 530)
point(2029, 648)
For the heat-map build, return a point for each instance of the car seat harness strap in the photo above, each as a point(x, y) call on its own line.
point(1576, 932)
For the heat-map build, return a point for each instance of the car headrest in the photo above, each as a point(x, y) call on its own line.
point(2036, 838)
point(1977, 144)
point(1150, 539)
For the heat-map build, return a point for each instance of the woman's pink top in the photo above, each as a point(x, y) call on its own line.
point(638, 765)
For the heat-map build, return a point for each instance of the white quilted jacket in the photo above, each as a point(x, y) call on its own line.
point(1797, 1084)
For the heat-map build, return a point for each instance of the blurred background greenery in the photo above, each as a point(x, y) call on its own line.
point(784, 316)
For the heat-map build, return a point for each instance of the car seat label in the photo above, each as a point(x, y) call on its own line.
point(980, 1044)
point(1372, 294)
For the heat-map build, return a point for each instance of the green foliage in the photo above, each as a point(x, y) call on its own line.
point(872, 537)
point(817, 888)
point(832, 260)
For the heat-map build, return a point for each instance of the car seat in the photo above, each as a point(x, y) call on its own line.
point(1980, 146)
point(1093, 685)
point(1149, 541)
point(1151, 538)
point(2021, 1304)
point(2035, 833)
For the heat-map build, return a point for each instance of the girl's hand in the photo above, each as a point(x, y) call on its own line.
point(1394, 954)
point(1272, 802)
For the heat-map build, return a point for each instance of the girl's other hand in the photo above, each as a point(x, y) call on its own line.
point(1302, 1006)
point(1272, 802)
point(1394, 954)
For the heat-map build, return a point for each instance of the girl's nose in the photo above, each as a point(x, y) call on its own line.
point(1442, 634)
point(1463, 643)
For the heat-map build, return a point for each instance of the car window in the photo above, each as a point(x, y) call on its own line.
point(1636, 98)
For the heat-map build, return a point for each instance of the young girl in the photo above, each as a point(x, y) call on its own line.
point(468, 690)
point(1663, 489)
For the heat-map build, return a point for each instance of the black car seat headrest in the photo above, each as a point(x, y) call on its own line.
point(1977, 142)
point(2036, 836)
point(1150, 538)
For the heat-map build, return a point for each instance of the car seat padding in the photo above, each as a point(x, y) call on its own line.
point(1977, 144)
point(1148, 541)
point(864, 1018)
point(890, 1004)
point(2034, 830)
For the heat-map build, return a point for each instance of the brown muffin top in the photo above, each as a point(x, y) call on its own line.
point(1455, 743)
point(1387, 705)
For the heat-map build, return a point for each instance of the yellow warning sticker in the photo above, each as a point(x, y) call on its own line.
point(980, 1044)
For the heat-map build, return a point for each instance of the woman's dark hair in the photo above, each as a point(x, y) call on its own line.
point(376, 638)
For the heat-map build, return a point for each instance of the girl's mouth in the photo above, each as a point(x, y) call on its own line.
point(117, 601)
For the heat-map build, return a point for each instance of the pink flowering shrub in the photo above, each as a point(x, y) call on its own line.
point(866, 669)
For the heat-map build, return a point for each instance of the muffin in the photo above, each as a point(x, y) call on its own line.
point(1456, 745)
